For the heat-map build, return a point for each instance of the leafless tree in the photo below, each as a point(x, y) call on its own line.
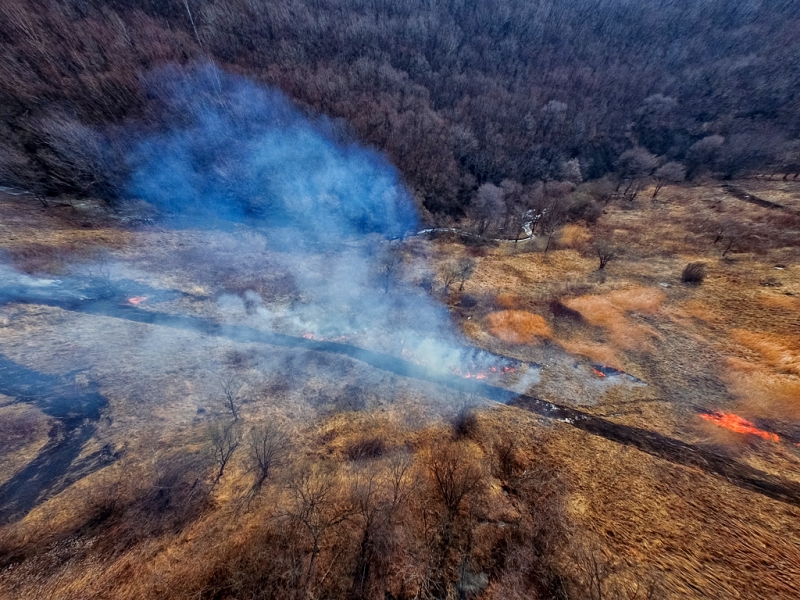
point(466, 267)
point(633, 166)
point(600, 578)
point(268, 446)
point(377, 491)
point(703, 154)
point(389, 267)
point(224, 438)
point(449, 273)
point(456, 477)
point(671, 172)
point(232, 398)
point(317, 507)
point(606, 252)
point(728, 231)
point(486, 206)
point(505, 460)
point(552, 219)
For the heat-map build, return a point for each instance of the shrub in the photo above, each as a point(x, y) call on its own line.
point(366, 448)
point(694, 272)
point(465, 421)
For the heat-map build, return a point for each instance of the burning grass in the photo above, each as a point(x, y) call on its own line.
point(701, 536)
point(518, 326)
point(738, 424)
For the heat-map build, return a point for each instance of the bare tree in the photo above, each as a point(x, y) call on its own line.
point(389, 267)
point(703, 154)
point(466, 267)
point(268, 446)
point(486, 206)
point(317, 507)
point(671, 172)
point(551, 220)
point(728, 231)
point(224, 438)
point(232, 398)
point(606, 252)
point(450, 273)
point(456, 477)
point(634, 165)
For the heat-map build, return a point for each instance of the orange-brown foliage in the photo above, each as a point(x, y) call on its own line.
point(700, 310)
point(518, 326)
point(782, 302)
point(763, 393)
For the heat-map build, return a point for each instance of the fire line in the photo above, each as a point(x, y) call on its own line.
point(739, 425)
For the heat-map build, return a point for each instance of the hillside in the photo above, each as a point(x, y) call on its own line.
point(390, 483)
point(456, 94)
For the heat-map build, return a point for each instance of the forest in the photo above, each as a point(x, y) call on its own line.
point(456, 94)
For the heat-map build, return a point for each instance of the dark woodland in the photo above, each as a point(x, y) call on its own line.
point(456, 93)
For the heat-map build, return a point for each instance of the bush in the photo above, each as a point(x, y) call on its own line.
point(465, 421)
point(694, 272)
point(366, 448)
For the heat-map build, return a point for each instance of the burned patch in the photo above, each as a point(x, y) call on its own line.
point(56, 467)
point(606, 372)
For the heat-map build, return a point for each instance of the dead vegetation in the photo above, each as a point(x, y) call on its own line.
point(332, 481)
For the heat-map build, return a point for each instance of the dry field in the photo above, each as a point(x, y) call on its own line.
point(730, 344)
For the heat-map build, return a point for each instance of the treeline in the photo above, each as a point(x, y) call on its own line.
point(457, 93)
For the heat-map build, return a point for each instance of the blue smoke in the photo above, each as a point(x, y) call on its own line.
point(233, 150)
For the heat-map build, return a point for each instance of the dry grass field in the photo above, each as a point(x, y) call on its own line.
point(598, 518)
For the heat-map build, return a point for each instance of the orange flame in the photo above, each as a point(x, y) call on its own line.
point(308, 336)
point(137, 300)
point(739, 425)
point(598, 373)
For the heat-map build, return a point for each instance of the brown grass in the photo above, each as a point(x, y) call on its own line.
point(762, 392)
point(600, 353)
point(779, 352)
point(518, 326)
point(781, 302)
point(575, 236)
point(608, 311)
point(700, 310)
point(507, 300)
point(703, 537)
